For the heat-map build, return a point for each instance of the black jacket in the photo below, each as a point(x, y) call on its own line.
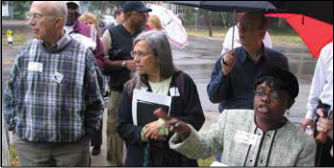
point(186, 107)
point(122, 42)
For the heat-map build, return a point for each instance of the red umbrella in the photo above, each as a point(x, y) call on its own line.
point(315, 34)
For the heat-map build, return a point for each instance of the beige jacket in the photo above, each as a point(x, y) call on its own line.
point(107, 42)
point(242, 143)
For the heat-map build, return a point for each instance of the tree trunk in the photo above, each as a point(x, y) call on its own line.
point(222, 14)
point(209, 22)
point(281, 23)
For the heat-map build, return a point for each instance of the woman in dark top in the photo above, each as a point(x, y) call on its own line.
point(156, 73)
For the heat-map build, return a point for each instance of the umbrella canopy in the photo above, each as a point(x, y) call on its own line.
point(172, 25)
point(315, 34)
point(321, 10)
point(229, 6)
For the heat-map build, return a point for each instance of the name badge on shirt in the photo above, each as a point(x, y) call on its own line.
point(58, 77)
point(174, 91)
point(245, 137)
point(35, 66)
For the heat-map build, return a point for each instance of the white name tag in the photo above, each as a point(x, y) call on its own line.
point(174, 91)
point(58, 77)
point(245, 137)
point(35, 66)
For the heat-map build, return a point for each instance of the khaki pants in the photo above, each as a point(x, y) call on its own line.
point(60, 155)
point(114, 142)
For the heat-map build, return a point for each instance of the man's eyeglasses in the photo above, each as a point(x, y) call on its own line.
point(274, 96)
point(36, 16)
point(245, 26)
point(139, 54)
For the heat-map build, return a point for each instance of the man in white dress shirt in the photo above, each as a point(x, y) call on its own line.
point(320, 101)
point(322, 84)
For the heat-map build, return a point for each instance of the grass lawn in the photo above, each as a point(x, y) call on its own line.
point(18, 38)
point(14, 160)
point(206, 162)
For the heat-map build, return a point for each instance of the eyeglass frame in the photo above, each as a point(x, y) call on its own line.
point(246, 26)
point(270, 95)
point(36, 16)
point(134, 54)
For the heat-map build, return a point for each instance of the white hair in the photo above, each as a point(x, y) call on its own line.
point(61, 10)
point(58, 8)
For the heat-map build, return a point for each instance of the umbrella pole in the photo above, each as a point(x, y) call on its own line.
point(233, 28)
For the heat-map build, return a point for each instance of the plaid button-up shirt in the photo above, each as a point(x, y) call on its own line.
point(242, 143)
point(53, 93)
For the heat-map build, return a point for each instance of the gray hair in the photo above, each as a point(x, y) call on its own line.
point(57, 8)
point(158, 41)
point(60, 10)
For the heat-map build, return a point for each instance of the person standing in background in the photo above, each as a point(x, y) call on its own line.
point(154, 23)
point(118, 66)
point(79, 31)
point(235, 70)
point(322, 84)
point(119, 19)
point(91, 20)
point(156, 73)
point(321, 99)
point(229, 39)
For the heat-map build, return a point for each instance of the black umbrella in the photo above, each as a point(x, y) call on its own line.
point(321, 10)
point(230, 6)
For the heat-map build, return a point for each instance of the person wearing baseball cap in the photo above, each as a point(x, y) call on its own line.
point(73, 12)
point(117, 43)
point(135, 6)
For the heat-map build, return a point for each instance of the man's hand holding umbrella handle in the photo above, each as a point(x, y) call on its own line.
point(324, 127)
point(174, 125)
point(228, 62)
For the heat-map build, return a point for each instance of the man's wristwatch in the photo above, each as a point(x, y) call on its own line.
point(124, 64)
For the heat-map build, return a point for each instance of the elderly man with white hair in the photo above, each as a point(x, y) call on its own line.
point(53, 101)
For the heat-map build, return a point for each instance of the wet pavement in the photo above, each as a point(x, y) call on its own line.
point(198, 59)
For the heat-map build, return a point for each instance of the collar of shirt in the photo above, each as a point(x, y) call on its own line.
point(68, 29)
point(262, 54)
point(59, 45)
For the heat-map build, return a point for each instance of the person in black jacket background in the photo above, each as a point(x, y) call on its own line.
point(117, 42)
point(156, 73)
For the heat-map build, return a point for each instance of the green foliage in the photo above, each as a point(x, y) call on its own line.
point(102, 6)
point(20, 8)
